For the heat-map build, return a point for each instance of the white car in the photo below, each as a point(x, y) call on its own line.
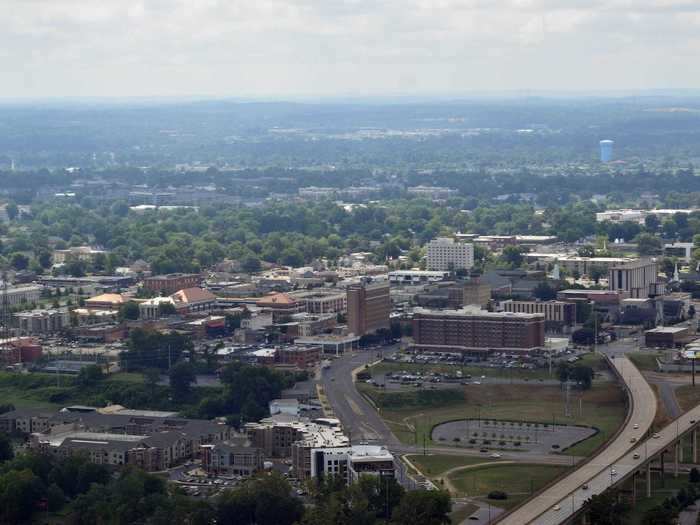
point(613, 472)
point(635, 426)
point(495, 455)
point(656, 436)
point(556, 508)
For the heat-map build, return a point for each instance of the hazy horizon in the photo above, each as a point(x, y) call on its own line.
point(292, 49)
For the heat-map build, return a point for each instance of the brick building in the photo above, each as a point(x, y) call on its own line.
point(471, 330)
point(171, 283)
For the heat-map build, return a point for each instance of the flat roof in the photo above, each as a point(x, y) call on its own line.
point(667, 330)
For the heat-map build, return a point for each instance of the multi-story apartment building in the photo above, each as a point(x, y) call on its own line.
point(637, 279)
point(81, 253)
point(446, 254)
point(349, 463)
point(369, 306)
point(558, 315)
point(476, 331)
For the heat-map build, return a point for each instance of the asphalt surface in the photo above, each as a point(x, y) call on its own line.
point(567, 495)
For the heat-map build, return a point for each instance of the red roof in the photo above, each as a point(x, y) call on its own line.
point(193, 295)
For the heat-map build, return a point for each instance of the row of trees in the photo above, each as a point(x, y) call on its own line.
point(87, 493)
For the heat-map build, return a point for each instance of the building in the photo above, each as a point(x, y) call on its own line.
point(21, 295)
point(476, 292)
point(301, 357)
point(667, 336)
point(171, 283)
point(635, 278)
point(476, 331)
point(193, 300)
point(445, 254)
point(153, 308)
point(235, 460)
point(413, 277)
point(106, 301)
point(435, 193)
point(281, 305)
point(558, 315)
point(322, 301)
point(349, 463)
point(116, 436)
point(81, 253)
point(638, 215)
point(19, 350)
point(42, 322)
point(369, 306)
point(680, 250)
point(606, 150)
point(330, 344)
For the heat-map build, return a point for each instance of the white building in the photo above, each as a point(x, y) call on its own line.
point(634, 278)
point(351, 462)
point(417, 276)
point(445, 254)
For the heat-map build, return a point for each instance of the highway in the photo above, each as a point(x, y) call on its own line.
point(567, 494)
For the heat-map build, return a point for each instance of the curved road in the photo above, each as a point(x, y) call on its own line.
point(540, 509)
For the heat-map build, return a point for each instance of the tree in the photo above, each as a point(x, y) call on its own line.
point(544, 292)
point(151, 378)
point(604, 509)
point(583, 336)
point(596, 272)
point(652, 223)
point(166, 309)
point(12, 211)
point(694, 475)
point(586, 251)
point(512, 256)
point(263, 500)
point(6, 451)
point(181, 378)
point(19, 261)
point(90, 375)
point(129, 310)
point(648, 244)
point(75, 267)
point(427, 507)
point(250, 264)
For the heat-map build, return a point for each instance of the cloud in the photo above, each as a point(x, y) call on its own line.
point(287, 47)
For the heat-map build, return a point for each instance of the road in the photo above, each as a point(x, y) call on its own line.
point(539, 509)
point(625, 466)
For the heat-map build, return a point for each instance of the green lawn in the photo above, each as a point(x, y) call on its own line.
point(645, 361)
point(603, 407)
point(518, 481)
point(126, 377)
point(436, 464)
point(688, 395)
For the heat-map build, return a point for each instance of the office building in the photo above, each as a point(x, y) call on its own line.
point(322, 300)
point(369, 306)
point(636, 279)
point(476, 331)
point(606, 150)
point(349, 463)
point(79, 253)
point(445, 254)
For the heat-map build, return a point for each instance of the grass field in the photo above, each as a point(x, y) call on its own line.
point(688, 396)
point(603, 407)
point(126, 377)
point(645, 361)
point(518, 481)
point(434, 465)
point(659, 494)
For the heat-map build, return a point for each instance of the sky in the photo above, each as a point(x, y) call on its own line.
point(291, 48)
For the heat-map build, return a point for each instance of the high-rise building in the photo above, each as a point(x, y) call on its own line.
point(476, 331)
point(606, 150)
point(445, 254)
point(369, 306)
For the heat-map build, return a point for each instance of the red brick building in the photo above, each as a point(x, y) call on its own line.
point(171, 283)
point(301, 357)
point(19, 350)
point(476, 331)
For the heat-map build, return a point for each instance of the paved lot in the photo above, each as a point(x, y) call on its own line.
point(504, 435)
